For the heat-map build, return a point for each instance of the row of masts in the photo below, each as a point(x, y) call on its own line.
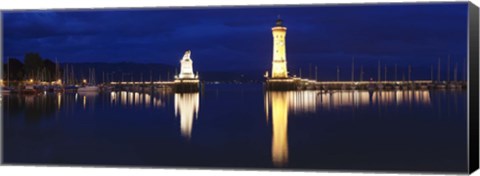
point(69, 76)
point(69, 73)
point(385, 72)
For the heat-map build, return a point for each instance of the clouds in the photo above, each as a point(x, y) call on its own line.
point(240, 38)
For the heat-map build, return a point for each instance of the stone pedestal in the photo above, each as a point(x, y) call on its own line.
point(281, 84)
point(186, 85)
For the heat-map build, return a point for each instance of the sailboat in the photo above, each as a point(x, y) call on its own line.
point(4, 88)
point(59, 83)
point(29, 88)
point(69, 80)
point(90, 87)
point(353, 84)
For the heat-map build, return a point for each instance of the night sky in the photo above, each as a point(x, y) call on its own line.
point(240, 39)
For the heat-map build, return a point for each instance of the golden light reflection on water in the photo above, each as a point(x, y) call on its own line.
point(401, 97)
point(311, 101)
point(147, 100)
point(187, 106)
point(283, 103)
point(135, 99)
point(29, 100)
point(88, 98)
point(84, 102)
point(113, 97)
point(130, 97)
point(280, 102)
point(59, 100)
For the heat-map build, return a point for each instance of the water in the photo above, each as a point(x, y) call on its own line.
point(241, 126)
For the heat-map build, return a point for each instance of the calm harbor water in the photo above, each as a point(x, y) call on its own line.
point(240, 126)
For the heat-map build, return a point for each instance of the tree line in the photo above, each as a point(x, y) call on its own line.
point(33, 67)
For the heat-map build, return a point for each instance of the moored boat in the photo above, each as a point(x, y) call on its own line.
point(440, 86)
point(88, 88)
point(70, 88)
point(423, 87)
point(29, 89)
point(58, 89)
point(453, 86)
point(5, 90)
point(379, 86)
point(107, 88)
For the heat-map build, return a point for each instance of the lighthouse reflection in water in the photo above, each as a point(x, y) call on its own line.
point(186, 105)
point(283, 103)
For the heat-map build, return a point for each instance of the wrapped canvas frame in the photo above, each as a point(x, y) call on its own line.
point(473, 86)
point(473, 52)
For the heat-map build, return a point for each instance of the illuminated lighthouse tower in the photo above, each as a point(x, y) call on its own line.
point(186, 69)
point(279, 64)
point(279, 80)
point(186, 80)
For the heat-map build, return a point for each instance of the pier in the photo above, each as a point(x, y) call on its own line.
point(305, 84)
point(150, 86)
point(280, 80)
point(185, 81)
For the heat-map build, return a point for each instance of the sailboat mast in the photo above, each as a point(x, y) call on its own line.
point(8, 71)
point(89, 75)
point(448, 69)
point(379, 72)
point(65, 74)
point(73, 76)
point(396, 72)
point(455, 72)
point(56, 69)
point(385, 72)
point(309, 71)
point(338, 73)
point(353, 69)
point(409, 73)
point(431, 73)
point(361, 72)
point(438, 70)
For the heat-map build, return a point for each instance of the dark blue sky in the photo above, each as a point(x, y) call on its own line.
point(240, 38)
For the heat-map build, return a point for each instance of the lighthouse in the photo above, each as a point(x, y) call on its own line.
point(186, 67)
point(279, 64)
point(279, 79)
point(186, 80)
